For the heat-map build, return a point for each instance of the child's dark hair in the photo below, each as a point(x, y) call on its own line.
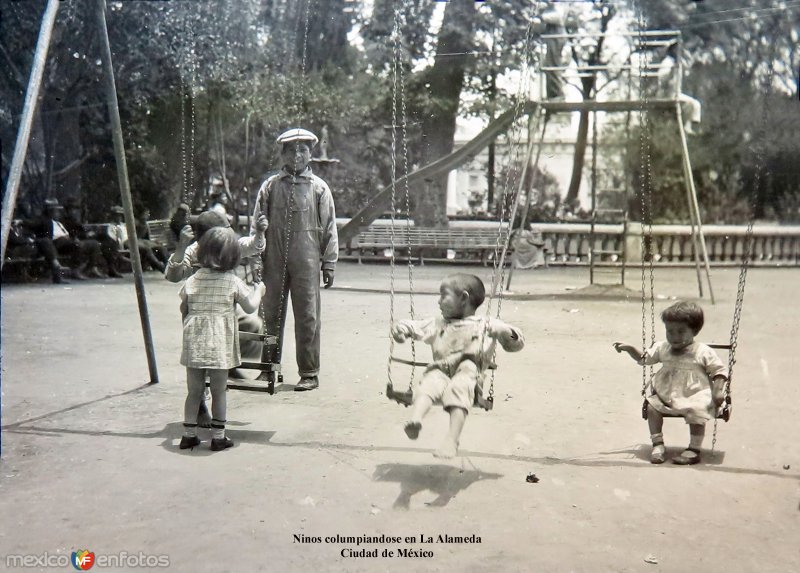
point(218, 249)
point(208, 220)
point(470, 283)
point(688, 313)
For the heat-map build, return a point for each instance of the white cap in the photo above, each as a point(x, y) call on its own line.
point(297, 134)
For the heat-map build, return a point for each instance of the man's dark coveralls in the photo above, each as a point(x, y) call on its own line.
point(300, 210)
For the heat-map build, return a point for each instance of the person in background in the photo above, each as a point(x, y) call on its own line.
point(86, 253)
point(119, 232)
point(73, 221)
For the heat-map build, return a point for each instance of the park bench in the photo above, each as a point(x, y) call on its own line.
point(379, 240)
point(161, 234)
point(21, 266)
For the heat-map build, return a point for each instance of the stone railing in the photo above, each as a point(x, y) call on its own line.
point(568, 243)
point(772, 245)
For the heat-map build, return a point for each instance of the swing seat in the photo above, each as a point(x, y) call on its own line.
point(406, 397)
point(723, 414)
point(481, 402)
point(269, 370)
point(403, 397)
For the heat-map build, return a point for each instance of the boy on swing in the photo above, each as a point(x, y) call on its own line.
point(463, 346)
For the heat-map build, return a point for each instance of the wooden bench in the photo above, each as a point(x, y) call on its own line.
point(161, 234)
point(379, 240)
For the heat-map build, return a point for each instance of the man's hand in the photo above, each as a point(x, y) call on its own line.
point(327, 278)
point(186, 237)
point(262, 224)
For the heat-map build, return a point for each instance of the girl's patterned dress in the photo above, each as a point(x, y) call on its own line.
point(210, 331)
point(683, 385)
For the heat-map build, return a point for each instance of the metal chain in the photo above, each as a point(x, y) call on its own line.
point(185, 190)
point(747, 254)
point(407, 192)
point(499, 254)
point(192, 80)
point(303, 61)
point(645, 199)
point(395, 49)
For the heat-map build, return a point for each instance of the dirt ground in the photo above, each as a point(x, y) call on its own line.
point(90, 456)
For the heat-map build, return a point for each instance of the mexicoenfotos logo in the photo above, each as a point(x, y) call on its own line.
point(82, 559)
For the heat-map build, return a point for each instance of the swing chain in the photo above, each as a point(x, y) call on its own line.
point(646, 204)
point(395, 50)
point(500, 254)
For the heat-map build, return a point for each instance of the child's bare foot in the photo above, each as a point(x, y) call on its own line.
point(412, 430)
point(449, 449)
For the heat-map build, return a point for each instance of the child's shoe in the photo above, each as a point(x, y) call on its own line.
point(412, 430)
point(658, 453)
point(688, 457)
point(189, 442)
point(218, 444)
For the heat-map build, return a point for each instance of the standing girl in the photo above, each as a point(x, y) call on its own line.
point(690, 384)
point(210, 332)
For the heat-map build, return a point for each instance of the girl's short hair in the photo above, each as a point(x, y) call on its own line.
point(470, 283)
point(218, 249)
point(688, 313)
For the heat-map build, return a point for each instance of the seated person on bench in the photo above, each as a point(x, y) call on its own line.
point(23, 244)
point(86, 252)
point(119, 232)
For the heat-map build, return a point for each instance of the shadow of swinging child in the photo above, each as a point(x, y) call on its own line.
point(445, 481)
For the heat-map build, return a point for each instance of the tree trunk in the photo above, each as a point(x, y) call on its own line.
point(588, 84)
point(445, 80)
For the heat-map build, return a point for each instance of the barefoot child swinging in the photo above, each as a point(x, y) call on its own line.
point(463, 346)
point(690, 383)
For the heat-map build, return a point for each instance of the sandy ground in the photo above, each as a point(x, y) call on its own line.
point(90, 457)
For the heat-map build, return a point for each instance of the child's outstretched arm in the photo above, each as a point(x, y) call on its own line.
point(250, 301)
point(416, 329)
point(632, 351)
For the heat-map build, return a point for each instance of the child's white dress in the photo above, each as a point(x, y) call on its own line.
point(210, 329)
point(683, 385)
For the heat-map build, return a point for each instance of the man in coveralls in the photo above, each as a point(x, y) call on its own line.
point(301, 241)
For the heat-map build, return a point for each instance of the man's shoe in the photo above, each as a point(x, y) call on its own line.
point(306, 384)
point(95, 273)
point(114, 274)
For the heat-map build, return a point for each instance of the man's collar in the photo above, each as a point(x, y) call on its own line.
point(306, 173)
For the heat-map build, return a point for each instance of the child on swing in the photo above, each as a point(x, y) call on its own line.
point(690, 384)
point(463, 346)
point(210, 332)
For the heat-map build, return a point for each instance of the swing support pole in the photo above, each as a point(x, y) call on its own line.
point(694, 211)
point(26, 122)
point(124, 184)
point(528, 154)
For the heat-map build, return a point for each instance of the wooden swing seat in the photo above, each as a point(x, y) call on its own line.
point(269, 370)
point(406, 397)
